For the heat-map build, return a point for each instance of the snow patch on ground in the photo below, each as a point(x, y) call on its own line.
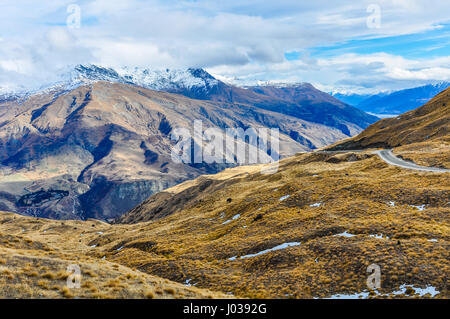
point(420, 207)
point(391, 203)
point(188, 283)
point(379, 236)
point(279, 247)
point(417, 291)
point(284, 197)
point(232, 218)
point(402, 291)
point(345, 234)
point(315, 205)
point(356, 295)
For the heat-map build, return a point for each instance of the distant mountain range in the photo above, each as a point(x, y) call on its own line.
point(355, 99)
point(393, 103)
point(427, 123)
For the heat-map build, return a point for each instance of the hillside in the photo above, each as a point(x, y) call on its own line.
point(35, 255)
point(101, 149)
point(310, 230)
point(428, 123)
point(306, 102)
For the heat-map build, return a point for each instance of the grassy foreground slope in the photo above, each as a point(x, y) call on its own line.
point(336, 214)
point(35, 254)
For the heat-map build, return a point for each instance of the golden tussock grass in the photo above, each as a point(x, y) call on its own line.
point(327, 195)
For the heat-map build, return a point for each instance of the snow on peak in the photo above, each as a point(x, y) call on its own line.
point(442, 85)
point(161, 80)
point(167, 80)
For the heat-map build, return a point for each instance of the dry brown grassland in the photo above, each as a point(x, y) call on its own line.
point(347, 211)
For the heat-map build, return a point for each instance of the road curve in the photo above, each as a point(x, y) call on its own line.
point(388, 157)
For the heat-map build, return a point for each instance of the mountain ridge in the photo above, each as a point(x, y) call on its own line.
point(196, 83)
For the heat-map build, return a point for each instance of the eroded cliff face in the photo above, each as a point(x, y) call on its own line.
point(103, 199)
point(109, 199)
point(101, 149)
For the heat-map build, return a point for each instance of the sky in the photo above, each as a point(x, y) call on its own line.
point(342, 46)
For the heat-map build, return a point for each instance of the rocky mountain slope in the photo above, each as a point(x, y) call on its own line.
point(302, 101)
point(102, 148)
point(98, 142)
point(306, 102)
point(426, 123)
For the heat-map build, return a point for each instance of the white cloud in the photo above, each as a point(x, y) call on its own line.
point(233, 39)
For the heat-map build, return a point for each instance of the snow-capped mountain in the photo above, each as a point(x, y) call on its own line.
point(300, 100)
point(169, 80)
point(166, 80)
point(160, 80)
